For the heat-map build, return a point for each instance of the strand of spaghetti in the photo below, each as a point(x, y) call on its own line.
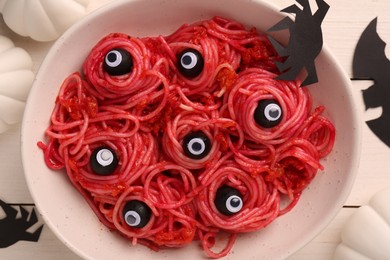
point(230, 27)
point(104, 136)
point(304, 146)
point(76, 140)
point(58, 117)
point(85, 194)
point(206, 176)
point(126, 102)
point(295, 110)
point(324, 130)
point(50, 132)
point(187, 184)
point(222, 122)
point(105, 204)
point(208, 48)
point(52, 159)
point(291, 205)
point(248, 220)
point(228, 31)
point(207, 247)
point(115, 86)
point(328, 140)
point(255, 210)
point(177, 237)
point(256, 160)
point(82, 153)
point(163, 102)
point(186, 31)
point(182, 124)
point(170, 54)
point(148, 158)
point(196, 105)
point(100, 117)
point(226, 37)
point(60, 123)
point(84, 170)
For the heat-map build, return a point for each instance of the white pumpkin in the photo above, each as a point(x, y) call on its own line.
point(16, 78)
point(366, 235)
point(42, 20)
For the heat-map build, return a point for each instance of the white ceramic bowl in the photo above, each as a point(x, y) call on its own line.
point(69, 216)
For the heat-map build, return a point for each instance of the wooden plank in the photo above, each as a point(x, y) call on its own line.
point(373, 174)
point(323, 246)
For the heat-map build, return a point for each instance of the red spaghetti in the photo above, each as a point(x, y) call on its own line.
point(177, 138)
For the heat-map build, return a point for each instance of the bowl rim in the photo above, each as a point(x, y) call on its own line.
point(357, 135)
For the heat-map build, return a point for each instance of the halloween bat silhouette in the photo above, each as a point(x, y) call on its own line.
point(370, 62)
point(305, 41)
point(13, 229)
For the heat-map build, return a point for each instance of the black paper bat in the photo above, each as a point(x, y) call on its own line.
point(13, 229)
point(305, 41)
point(370, 62)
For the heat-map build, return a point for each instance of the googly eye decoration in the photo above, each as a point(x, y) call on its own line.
point(103, 161)
point(190, 63)
point(228, 200)
point(16, 78)
point(42, 20)
point(196, 145)
point(136, 213)
point(118, 62)
point(268, 113)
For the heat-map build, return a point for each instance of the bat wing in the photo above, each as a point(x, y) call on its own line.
point(380, 127)
point(370, 61)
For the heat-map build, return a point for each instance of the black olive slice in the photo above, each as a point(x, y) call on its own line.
point(136, 213)
point(268, 113)
point(118, 62)
point(103, 161)
point(190, 63)
point(228, 200)
point(196, 145)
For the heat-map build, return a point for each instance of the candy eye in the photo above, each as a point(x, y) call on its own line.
point(196, 145)
point(103, 161)
point(268, 113)
point(190, 63)
point(136, 213)
point(228, 200)
point(118, 62)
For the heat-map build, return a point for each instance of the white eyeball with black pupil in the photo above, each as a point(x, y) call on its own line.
point(268, 113)
point(132, 218)
point(228, 200)
point(118, 62)
point(103, 161)
point(196, 145)
point(136, 213)
point(190, 63)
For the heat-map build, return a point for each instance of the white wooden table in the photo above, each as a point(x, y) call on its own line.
point(342, 27)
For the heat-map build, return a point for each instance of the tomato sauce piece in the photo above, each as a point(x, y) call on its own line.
point(226, 78)
point(259, 51)
point(199, 34)
point(76, 106)
point(181, 236)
